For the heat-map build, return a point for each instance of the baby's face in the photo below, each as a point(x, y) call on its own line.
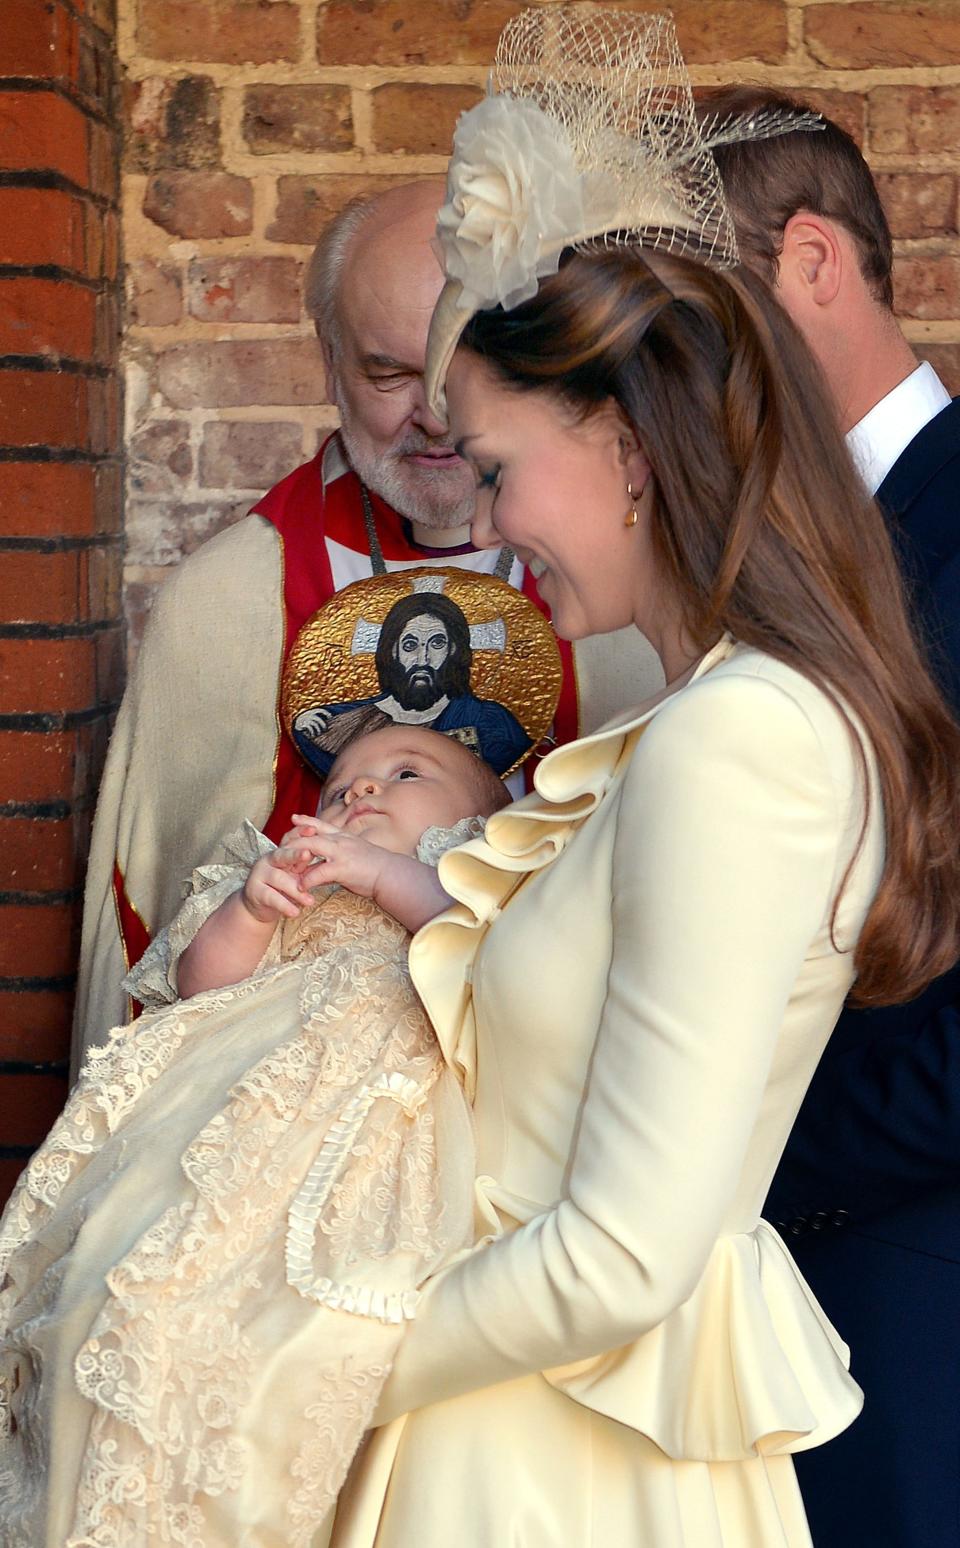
point(392, 785)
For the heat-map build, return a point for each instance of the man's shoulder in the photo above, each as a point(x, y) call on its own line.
point(304, 486)
point(926, 475)
point(231, 582)
point(230, 558)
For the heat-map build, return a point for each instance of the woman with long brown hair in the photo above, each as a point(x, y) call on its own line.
point(648, 953)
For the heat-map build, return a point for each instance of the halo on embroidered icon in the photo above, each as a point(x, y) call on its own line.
point(446, 648)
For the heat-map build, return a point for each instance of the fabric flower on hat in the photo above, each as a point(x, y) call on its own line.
point(514, 194)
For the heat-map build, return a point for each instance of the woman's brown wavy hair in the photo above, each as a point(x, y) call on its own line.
point(766, 531)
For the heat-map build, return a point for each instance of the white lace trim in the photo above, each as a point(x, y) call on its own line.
point(178, 1353)
point(435, 842)
point(361, 1300)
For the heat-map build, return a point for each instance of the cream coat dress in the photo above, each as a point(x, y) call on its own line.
point(635, 984)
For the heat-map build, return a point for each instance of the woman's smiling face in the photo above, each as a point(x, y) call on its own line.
point(554, 488)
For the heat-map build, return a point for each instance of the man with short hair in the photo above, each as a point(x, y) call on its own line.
point(867, 1192)
point(197, 746)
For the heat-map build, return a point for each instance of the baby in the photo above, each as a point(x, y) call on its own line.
point(205, 1270)
point(383, 793)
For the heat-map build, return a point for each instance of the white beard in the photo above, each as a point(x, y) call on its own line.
point(433, 497)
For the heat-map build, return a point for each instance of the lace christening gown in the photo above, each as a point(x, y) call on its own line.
point(205, 1270)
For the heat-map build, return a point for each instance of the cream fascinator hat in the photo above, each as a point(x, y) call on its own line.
point(588, 134)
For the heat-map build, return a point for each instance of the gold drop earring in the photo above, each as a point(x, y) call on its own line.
point(633, 515)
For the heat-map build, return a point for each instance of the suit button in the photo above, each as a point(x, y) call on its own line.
point(798, 1225)
point(840, 1217)
point(819, 1220)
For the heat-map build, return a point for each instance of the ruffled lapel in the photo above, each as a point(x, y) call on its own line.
point(526, 837)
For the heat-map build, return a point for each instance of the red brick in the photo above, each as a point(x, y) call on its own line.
point(41, 499)
point(237, 372)
point(160, 458)
point(37, 854)
point(249, 456)
point(47, 317)
point(37, 765)
point(101, 580)
point(720, 31)
point(108, 250)
point(44, 408)
point(104, 161)
point(847, 109)
point(172, 123)
point(104, 415)
point(914, 120)
point(40, 131)
point(200, 204)
point(29, 1105)
point(111, 666)
point(919, 204)
point(155, 293)
point(43, 766)
point(39, 41)
point(46, 675)
point(244, 290)
point(96, 68)
point(38, 940)
point(297, 118)
point(35, 1024)
point(945, 359)
point(419, 119)
point(306, 204)
point(41, 588)
point(927, 287)
point(870, 33)
point(219, 31)
point(108, 514)
point(42, 225)
point(393, 32)
point(107, 330)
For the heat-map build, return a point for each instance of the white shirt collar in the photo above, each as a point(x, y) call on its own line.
point(334, 462)
point(887, 430)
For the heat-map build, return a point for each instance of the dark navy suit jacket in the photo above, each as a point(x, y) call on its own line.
point(868, 1192)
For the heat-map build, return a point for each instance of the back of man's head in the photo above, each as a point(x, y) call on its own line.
point(327, 264)
point(399, 219)
point(819, 171)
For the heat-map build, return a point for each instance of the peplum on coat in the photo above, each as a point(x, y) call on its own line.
point(635, 983)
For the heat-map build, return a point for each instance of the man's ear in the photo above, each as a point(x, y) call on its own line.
point(811, 262)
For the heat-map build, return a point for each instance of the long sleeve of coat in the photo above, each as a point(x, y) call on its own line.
point(728, 851)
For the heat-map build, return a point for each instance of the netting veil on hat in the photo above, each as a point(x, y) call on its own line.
point(588, 134)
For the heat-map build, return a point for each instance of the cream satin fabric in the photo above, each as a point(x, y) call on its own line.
point(635, 983)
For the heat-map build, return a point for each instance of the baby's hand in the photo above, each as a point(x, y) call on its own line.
point(317, 852)
point(274, 889)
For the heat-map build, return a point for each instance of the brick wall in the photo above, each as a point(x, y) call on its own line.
point(61, 638)
point(251, 121)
